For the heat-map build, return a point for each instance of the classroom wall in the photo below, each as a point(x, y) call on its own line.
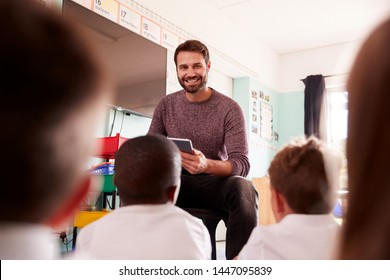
point(234, 52)
point(221, 82)
point(262, 111)
point(291, 116)
point(334, 61)
point(127, 124)
point(280, 73)
point(331, 60)
point(289, 108)
point(140, 97)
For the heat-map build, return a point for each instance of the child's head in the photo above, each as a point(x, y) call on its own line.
point(147, 170)
point(53, 91)
point(306, 174)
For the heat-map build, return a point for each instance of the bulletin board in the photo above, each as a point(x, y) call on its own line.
point(261, 120)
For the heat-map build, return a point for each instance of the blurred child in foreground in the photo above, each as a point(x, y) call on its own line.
point(53, 91)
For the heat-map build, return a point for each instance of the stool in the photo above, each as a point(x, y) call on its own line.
point(211, 220)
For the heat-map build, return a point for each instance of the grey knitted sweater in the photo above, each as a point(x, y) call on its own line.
point(215, 126)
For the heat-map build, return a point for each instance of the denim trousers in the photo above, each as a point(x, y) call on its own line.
point(234, 196)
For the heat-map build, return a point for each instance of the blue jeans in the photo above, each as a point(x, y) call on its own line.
point(234, 196)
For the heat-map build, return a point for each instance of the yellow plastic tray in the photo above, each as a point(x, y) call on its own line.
point(83, 218)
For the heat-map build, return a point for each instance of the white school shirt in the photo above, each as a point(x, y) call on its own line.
point(162, 231)
point(24, 241)
point(295, 237)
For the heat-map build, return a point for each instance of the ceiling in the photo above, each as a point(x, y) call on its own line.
point(296, 25)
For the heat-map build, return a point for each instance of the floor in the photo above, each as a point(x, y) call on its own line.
point(220, 245)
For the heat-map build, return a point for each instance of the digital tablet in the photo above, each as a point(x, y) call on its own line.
point(184, 145)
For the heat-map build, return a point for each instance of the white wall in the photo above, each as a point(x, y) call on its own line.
point(241, 54)
point(221, 82)
point(331, 60)
point(128, 125)
point(235, 52)
point(141, 97)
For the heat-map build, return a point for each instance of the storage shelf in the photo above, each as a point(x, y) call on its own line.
point(83, 218)
point(108, 183)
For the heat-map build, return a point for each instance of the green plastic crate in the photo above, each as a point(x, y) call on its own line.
point(108, 183)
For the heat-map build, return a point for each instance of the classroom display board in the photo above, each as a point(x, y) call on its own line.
point(259, 104)
point(261, 122)
point(137, 19)
point(129, 15)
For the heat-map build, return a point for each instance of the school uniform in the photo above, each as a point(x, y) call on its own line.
point(159, 232)
point(295, 237)
point(24, 241)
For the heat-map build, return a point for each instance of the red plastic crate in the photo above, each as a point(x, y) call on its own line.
point(109, 145)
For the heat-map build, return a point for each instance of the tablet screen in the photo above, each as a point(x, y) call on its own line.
point(184, 145)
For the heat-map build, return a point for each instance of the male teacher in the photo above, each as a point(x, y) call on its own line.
point(213, 175)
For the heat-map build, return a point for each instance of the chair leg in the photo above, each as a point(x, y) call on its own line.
point(210, 220)
point(113, 200)
point(74, 237)
point(211, 225)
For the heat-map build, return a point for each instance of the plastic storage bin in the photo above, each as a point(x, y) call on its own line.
point(108, 184)
point(109, 145)
point(105, 168)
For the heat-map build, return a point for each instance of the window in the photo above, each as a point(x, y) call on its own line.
point(338, 117)
point(336, 123)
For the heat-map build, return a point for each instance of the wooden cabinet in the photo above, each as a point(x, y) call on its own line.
point(262, 186)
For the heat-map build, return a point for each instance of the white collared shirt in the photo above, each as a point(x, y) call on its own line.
point(24, 241)
point(159, 232)
point(295, 237)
